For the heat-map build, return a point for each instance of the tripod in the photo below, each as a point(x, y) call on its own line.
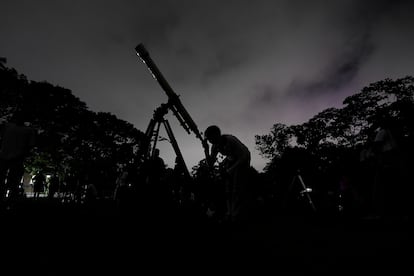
point(305, 192)
point(153, 131)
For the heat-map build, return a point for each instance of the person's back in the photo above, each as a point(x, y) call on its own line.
point(155, 169)
point(234, 149)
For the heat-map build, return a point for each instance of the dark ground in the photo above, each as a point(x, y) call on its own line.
point(44, 237)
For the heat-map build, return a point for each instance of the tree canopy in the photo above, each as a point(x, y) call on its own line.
point(70, 137)
point(348, 128)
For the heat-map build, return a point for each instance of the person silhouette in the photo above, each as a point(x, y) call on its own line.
point(53, 186)
point(122, 191)
point(17, 140)
point(39, 184)
point(387, 197)
point(156, 168)
point(236, 165)
point(154, 182)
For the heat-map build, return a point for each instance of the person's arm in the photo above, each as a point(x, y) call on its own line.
point(213, 156)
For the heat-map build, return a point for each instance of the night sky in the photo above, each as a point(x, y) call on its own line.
point(242, 65)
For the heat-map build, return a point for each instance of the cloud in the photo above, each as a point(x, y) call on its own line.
point(244, 65)
point(339, 73)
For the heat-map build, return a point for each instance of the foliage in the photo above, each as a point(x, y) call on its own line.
point(70, 137)
point(348, 128)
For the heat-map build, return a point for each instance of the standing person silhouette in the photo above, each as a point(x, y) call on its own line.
point(388, 193)
point(155, 171)
point(39, 184)
point(237, 164)
point(17, 139)
point(53, 186)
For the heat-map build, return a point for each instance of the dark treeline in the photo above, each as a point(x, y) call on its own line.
point(72, 141)
point(337, 151)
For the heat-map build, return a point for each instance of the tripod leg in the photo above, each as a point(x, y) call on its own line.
point(145, 149)
point(305, 190)
point(176, 148)
point(154, 146)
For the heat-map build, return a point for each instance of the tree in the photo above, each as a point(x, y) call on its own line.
point(340, 130)
point(3, 61)
point(274, 144)
point(71, 138)
point(392, 98)
point(12, 87)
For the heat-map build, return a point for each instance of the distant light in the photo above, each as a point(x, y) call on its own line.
point(307, 190)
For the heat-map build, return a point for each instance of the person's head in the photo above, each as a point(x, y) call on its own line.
point(213, 134)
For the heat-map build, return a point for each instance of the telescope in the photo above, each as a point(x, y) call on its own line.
point(174, 103)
